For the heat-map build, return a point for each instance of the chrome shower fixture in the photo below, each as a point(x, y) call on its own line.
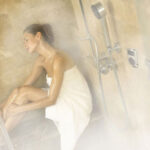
point(117, 47)
point(147, 62)
point(100, 13)
point(98, 10)
point(132, 57)
point(106, 64)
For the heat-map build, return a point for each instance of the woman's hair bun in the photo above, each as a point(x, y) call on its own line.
point(48, 32)
point(45, 29)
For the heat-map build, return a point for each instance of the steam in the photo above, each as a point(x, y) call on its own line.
point(35, 132)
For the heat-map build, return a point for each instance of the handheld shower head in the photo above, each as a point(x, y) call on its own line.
point(98, 10)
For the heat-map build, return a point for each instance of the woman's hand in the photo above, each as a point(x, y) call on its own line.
point(4, 112)
point(10, 111)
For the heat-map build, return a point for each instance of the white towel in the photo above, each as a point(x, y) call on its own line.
point(73, 107)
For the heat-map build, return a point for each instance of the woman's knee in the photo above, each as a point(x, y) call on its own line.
point(24, 90)
point(14, 94)
point(22, 95)
point(15, 91)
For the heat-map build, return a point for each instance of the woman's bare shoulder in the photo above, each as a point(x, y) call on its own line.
point(63, 60)
point(59, 61)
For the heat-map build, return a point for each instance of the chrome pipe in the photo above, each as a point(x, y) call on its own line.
point(95, 56)
point(106, 34)
point(100, 79)
point(109, 48)
point(86, 27)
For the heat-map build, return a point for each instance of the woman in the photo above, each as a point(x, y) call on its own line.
point(68, 100)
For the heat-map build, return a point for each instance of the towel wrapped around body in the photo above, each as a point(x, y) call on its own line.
point(73, 107)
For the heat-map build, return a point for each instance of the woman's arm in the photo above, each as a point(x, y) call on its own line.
point(36, 72)
point(58, 72)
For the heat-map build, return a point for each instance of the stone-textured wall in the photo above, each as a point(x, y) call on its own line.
point(143, 13)
point(15, 15)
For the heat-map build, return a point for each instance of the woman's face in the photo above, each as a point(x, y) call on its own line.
point(30, 42)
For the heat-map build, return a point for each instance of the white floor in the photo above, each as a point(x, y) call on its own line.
point(37, 133)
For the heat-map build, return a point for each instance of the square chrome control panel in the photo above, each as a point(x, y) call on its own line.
point(132, 57)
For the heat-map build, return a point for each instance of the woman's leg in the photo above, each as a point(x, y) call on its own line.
point(30, 94)
point(11, 122)
point(2, 104)
point(6, 103)
point(10, 99)
point(25, 95)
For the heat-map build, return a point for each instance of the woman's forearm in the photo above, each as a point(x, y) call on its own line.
point(34, 105)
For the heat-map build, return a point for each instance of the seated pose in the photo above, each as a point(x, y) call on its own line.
point(67, 101)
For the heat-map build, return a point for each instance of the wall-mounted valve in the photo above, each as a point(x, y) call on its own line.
point(106, 64)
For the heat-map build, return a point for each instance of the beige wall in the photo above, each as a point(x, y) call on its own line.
point(143, 13)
